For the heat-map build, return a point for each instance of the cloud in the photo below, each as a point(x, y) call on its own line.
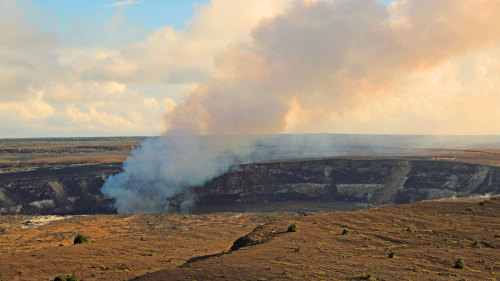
point(30, 109)
point(266, 67)
point(186, 56)
point(331, 60)
point(28, 55)
point(124, 3)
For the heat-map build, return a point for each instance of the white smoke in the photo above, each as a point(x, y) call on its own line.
point(318, 58)
point(162, 167)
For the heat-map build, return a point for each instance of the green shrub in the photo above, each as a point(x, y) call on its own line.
point(411, 228)
point(459, 263)
point(66, 278)
point(391, 254)
point(80, 239)
point(346, 231)
point(292, 227)
point(481, 203)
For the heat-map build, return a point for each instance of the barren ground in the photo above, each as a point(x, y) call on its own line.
point(129, 246)
point(169, 247)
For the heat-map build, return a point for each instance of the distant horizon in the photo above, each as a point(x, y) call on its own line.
point(277, 134)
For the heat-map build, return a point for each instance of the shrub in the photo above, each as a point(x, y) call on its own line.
point(346, 231)
point(292, 227)
point(391, 254)
point(66, 278)
point(476, 244)
point(368, 276)
point(411, 228)
point(459, 263)
point(370, 273)
point(481, 203)
point(80, 239)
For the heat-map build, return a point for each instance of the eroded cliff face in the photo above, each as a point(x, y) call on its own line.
point(76, 189)
point(378, 182)
point(68, 190)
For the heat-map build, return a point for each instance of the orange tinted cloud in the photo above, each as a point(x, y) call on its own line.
point(354, 61)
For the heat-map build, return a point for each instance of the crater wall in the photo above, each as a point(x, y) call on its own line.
point(76, 189)
point(374, 181)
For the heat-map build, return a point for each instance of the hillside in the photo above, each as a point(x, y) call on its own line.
point(130, 246)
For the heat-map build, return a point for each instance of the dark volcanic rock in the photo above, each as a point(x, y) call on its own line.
point(68, 190)
point(384, 181)
point(76, 189)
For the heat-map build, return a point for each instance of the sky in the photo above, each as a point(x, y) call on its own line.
point(151, 67)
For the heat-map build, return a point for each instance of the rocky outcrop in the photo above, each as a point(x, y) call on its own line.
point(68, 190)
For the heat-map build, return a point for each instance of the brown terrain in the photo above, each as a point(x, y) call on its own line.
point(426, 239)
point(50, 192)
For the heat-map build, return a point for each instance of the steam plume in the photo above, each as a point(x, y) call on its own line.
point(319, 57)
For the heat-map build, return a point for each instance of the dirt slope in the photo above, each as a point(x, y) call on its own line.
point(126, 247)
point(426, 238)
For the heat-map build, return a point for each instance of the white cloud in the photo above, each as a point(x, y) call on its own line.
point(30, 109)
point(184, 56)
point(420, 66)
point(124, 3)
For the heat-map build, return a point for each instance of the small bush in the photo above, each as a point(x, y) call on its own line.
point(346, 231)
point(481, 203)
point(391, 254)
point(370, 273)
point(368, 276)
point(476, 244)
point(81, 239)
point(411, 228)
point(292, 227)
point(459, 263)
point(415, 267)
point(470, 209)
point(66, 278)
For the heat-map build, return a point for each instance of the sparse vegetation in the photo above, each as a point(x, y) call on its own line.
point(292, 227)
point(80, 239)
point(482, 203)
point(346, 231)
point(368, 276)
point(459, 263)
point(415, 267)
point(370, 273)
point(470, 209)
point(447, 273)
point(66, 278)
point(391, 254)
point(411, 228)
